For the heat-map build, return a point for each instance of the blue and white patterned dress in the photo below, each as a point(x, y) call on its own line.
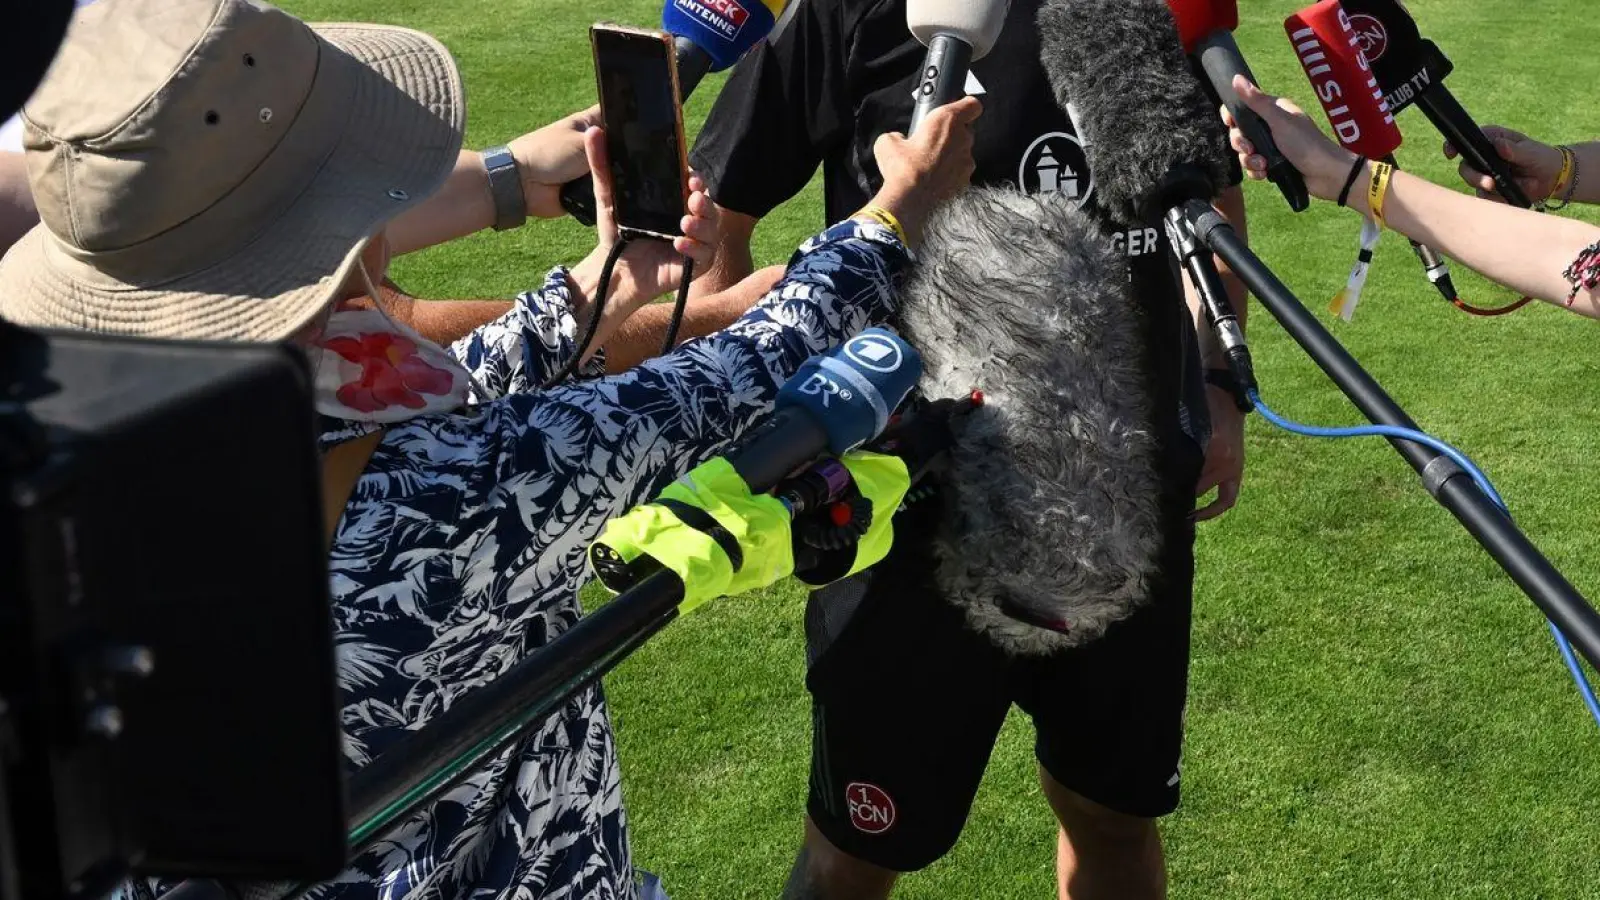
point(462, 549)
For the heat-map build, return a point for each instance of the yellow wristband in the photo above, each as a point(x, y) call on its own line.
point(1378, 190)
point(1569, 162)
point(886, 219)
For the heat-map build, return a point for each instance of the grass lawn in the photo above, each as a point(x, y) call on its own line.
point(1375, 711)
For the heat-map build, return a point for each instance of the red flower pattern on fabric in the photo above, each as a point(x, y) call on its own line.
point(392, 374)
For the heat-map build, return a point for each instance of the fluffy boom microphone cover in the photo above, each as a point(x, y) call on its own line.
point(1118, 68)
point(1051, 529)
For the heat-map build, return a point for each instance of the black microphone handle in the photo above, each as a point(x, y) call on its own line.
point(1458, 127)
point(1453, 488)
point(1220, 58)
point(789, 440)
point(694, 64)
point(1224, 320)
point(944, 77)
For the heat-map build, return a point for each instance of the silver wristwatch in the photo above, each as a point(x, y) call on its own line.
point(505, 185)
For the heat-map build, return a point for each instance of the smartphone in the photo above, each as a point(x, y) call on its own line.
point(637, 73)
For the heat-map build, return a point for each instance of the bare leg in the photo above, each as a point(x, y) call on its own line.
point(824, 872)
point(1102, 854)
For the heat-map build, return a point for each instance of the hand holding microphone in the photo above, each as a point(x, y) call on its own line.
point(957, 33)
point(922, 171)
point(1324, 164)
point(1535, 167)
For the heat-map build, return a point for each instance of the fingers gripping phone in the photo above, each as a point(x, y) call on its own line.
point(640, 109)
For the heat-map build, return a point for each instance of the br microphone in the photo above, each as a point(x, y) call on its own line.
point(1411, 70)
point(1330, 52)
point(709, 36)
point(957, 33)
point(1206, 29)
point(834, 404)
point(1051, 530)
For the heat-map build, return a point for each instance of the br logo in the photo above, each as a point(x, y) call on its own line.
point(1056, 164)
point(871, 810)
point(1373, 36)
point(820, 385)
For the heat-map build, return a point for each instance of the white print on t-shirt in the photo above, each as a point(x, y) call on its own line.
point(1138, 241)
point(1056, 164)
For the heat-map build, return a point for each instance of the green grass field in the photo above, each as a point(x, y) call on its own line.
point(1375, 711)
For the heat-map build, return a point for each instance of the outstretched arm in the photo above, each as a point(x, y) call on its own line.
point(1521, 249)
point(546, 159)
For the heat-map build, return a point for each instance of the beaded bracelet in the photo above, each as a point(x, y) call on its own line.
point(1584, 273)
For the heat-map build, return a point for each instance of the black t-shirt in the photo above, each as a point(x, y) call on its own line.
point(841, 73)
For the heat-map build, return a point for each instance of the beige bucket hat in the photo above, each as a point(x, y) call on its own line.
point(212, 169)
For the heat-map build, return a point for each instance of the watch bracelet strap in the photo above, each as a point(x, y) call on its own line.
point(505, 187)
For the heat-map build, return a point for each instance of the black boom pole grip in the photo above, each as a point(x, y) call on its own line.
point(1452, 487)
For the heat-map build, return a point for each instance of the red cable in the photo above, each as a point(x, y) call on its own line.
point(1481, 311)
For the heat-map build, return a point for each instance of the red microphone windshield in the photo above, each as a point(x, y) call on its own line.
point(1198, 18)
point(1330, 52)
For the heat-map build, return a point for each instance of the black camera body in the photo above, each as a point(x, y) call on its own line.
point(167, 669)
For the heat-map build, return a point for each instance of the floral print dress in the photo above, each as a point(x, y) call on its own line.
point(462, 549)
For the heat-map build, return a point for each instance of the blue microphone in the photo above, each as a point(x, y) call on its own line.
point(835, 403)
point(712, 35)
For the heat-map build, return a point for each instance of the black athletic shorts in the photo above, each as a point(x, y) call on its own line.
point(908, 701)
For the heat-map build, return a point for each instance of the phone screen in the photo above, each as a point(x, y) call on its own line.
point(644, 129)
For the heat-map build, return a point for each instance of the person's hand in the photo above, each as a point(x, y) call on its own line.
point(1224, 468)
point(648, 268)
point(1324, 164)
point(1534, 166)
point(551, 157)
point(924, 170)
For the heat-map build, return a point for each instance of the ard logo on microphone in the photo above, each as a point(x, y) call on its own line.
point(875, 354)
point(724, 17)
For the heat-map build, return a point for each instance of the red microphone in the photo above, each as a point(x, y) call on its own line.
point(1198, 19)
point(1330, 52)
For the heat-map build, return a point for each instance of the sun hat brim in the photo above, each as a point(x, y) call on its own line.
point(394, 100)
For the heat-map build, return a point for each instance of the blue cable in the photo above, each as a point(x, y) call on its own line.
point(1478, 477)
